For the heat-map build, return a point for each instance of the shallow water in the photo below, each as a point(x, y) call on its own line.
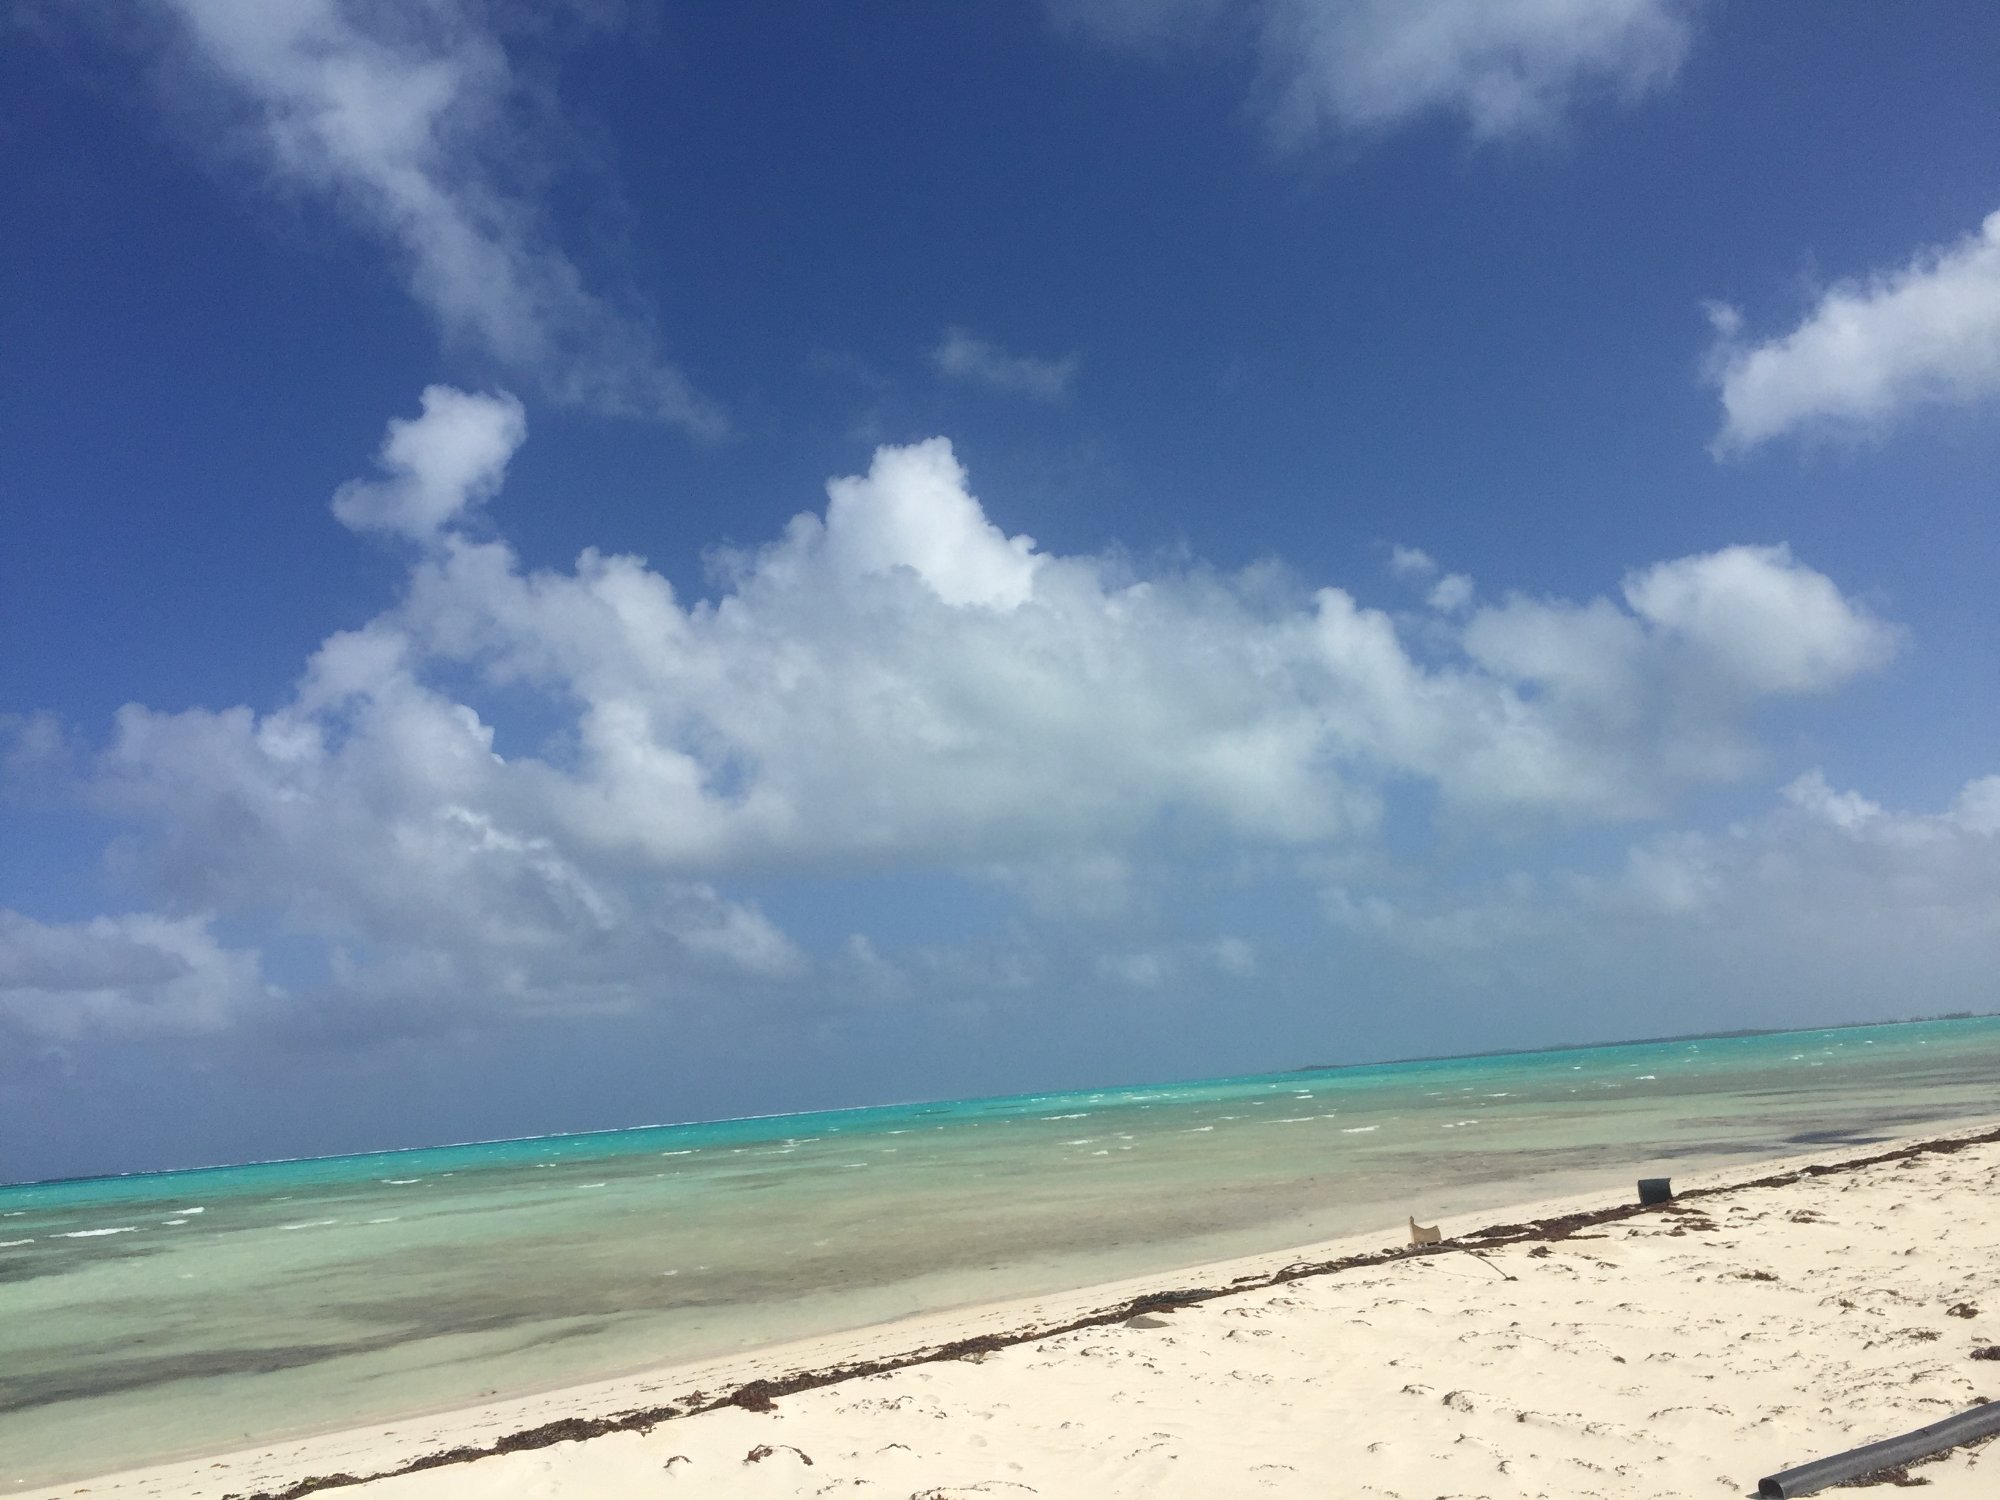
point(156, 1316)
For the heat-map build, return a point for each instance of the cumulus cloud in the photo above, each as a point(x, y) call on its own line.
point(137, 975)
point(913, 511)
point(1870, 352)
point(893, 683)
point(408, 121)
point(1763, 623)
point(1698, 641)
point(1505, 68)
point(436, 467)
point(965, 356)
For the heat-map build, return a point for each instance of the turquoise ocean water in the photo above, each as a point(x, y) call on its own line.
point(149, 1317)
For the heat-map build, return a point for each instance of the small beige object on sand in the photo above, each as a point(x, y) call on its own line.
point(1425, 1234)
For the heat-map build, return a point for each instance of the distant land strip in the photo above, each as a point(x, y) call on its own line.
point(1649, 1041)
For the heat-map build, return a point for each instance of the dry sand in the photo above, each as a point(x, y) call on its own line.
point(1685, 1351)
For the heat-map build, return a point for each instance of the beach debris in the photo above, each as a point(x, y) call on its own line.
point(1653, 1190)
point(1991, 1351)
point(1961, 1310)
point(1481, 1258)
point(1147, 1320)
point(564, 1430)
point(456, 1455)
point(769, 1450)
point(1425, 1234)
point(755, 1395)
point(1685, 1219)
point(307, 1485)
point(1874, 1458)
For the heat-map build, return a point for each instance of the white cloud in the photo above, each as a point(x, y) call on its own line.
point(741, 938)
point(1450, 593)
point(913, 510)
point(1506, 68)
point(1670, 675)
point(451, 458)
point(1833, 875)
point(1827, 906)
point(1761, 620)
point(137, 975)
point(897, 684)
point(1870, 352)
point(1845, 810)
point(1978, 807)
point(965, 356)
point(408, 121)
point(1411, 562)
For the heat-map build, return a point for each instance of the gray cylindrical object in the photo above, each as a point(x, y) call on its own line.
point(1656, 1190)
point(1810, 1479)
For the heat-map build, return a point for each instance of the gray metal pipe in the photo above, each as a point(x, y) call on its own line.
point(1809, 1479)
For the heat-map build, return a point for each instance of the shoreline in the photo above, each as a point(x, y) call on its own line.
point(1417, 1060)
point(387, 1455)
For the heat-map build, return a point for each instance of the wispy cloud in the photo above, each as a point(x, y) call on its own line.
point(1871, 351)
point(409, 121)
point(1505, 68)
point(965, 356)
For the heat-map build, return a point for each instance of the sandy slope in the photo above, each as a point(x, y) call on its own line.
point(1677, 1353)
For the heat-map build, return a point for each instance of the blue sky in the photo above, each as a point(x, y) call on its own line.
point(575, 565)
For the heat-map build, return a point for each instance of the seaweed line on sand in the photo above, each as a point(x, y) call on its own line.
point(761, 1395)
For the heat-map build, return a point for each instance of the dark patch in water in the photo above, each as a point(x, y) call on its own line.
point(26, 1393)
point(28, 1268)
point(101, 1372)
point(52, 1260)
point(1832, 1138)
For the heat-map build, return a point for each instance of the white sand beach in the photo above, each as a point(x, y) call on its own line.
point(1687, 1350)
